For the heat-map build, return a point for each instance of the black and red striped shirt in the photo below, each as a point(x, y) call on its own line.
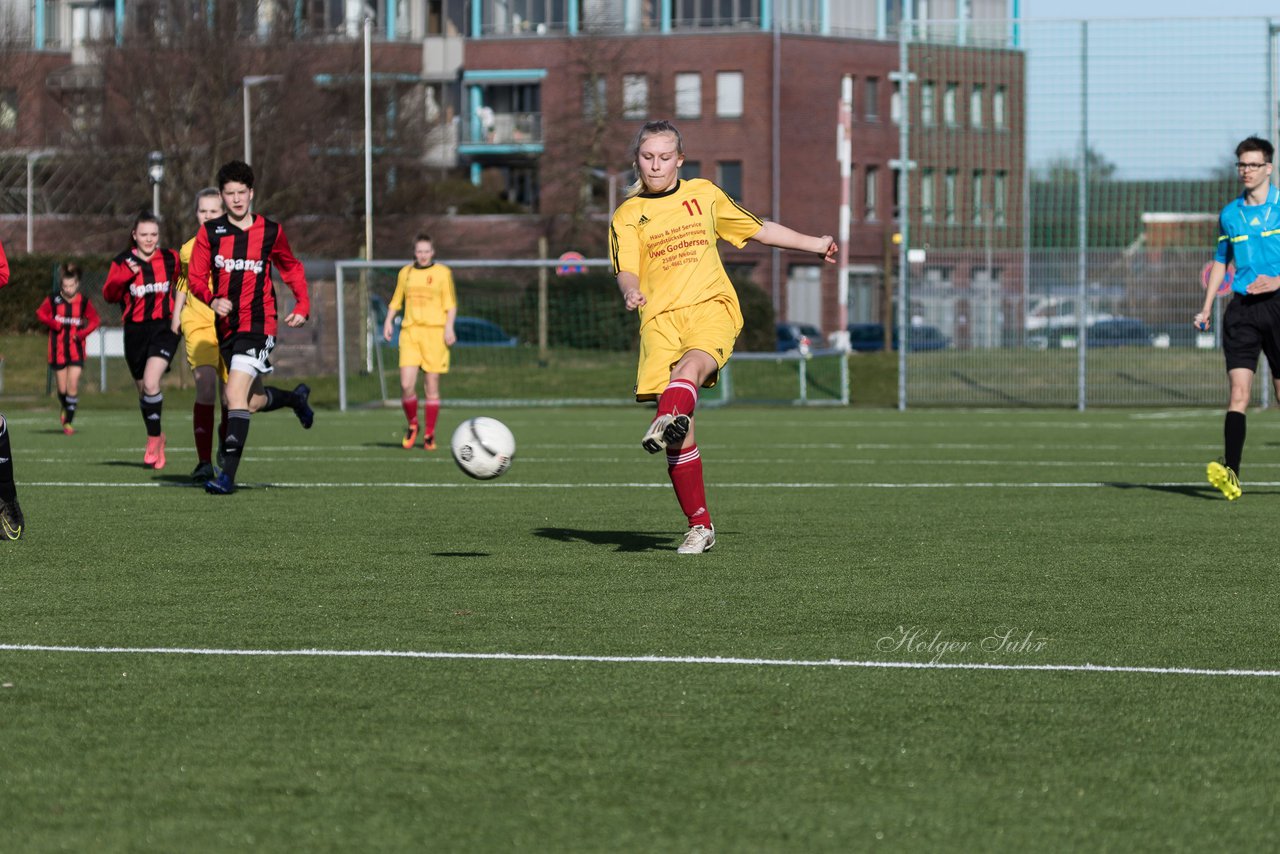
point(231, 263)
point(70, 321)
point(147, 293)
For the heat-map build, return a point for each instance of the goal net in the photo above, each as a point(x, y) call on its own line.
point(547, 332)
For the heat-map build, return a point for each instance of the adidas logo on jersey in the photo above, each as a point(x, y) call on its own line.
point(643, 219)
point(1255, 221)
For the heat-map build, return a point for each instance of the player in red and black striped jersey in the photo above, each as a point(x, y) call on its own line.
point(70, 318)
point(142, 279)
point(230, 270)
point(11, 522)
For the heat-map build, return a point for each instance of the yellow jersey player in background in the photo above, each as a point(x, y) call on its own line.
point(663, 245)
point(195, 319)
point(426, 292)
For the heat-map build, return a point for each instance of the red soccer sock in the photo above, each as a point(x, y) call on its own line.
point(432, 411)
point(684, 466)
point(410, 407)
point(680, 397)
point(202, 426)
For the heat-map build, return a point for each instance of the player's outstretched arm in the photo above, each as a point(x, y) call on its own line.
point(776, 234)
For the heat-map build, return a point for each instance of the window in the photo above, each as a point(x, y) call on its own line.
point(975, 197)
point(997, 109)
point(949, 196)
point(975, 106)
point(998, 190)
point(927, 106)
point(689, 95)
point(949, 104)
point(593, 98)
point(926, 196)
point(870, 190)
point(729, 177)
point(8, 110)
point(895, 104)
point(691, 169)
point(871, 99)
point(635, 96)
point(729, 94)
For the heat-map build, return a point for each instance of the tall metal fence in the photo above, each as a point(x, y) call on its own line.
point(1062, 184)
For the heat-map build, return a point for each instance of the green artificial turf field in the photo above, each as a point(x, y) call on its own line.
point(919, 631)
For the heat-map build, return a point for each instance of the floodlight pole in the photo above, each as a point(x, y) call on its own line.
point(249, 82)
point(155, 174)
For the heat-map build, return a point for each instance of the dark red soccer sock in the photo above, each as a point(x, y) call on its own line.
point(432, 412)
point(680, 397)
point(410, 407)
point(202, 427)
point(684, 466)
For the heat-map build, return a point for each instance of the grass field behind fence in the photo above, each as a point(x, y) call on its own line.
point(859, 552)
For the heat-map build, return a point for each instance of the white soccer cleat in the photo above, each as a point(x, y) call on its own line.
point(665, 430)
point(699, 539)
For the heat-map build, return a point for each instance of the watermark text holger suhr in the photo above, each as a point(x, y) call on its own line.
point(1002, 641)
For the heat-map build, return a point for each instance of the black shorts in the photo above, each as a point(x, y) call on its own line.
point(247, 352)
point(74, 363)
point(146, 340)
point(1250, 325)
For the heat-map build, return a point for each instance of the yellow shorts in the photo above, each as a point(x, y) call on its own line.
point(707, 326)
point(202, 345)
point(424, 347)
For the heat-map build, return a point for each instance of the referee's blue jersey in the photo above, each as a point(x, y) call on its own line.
point(1249, 235)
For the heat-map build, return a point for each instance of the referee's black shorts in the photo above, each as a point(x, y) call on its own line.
point(1251, 324)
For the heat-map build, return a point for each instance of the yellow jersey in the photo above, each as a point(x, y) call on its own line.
point(425, 293)
point(669, 239)
point(200, 311)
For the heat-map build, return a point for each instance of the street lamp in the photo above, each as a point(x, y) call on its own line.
point(249, 83)
point(155, 172)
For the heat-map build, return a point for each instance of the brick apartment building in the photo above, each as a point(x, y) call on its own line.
point(539, 100)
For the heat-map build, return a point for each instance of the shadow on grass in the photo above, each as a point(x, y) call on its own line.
point(461, 554)
point(1205, 491)
point(625, 541)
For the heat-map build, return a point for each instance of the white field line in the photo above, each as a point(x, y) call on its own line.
point(1253, 484)
point(643, 659)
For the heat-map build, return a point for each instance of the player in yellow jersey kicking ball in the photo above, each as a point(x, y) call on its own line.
point(425, 290)
point(663, 244)
point(205, 358)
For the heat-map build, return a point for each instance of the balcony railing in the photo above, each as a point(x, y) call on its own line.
point(503, 129)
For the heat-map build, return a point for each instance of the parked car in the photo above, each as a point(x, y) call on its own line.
point(1119, 332)
point(1112, 332)
point(471, 331)
point(798, 336)
point(869, 338)
point(478, 332)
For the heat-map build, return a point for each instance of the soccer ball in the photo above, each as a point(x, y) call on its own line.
point(483, 447)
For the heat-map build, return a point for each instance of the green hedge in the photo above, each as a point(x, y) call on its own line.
point(33, 277)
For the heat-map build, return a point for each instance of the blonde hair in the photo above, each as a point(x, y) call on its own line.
point(653, 128)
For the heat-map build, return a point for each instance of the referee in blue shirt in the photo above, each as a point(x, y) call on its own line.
point(1249, 236)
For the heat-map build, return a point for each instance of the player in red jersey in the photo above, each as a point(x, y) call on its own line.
point(11, 522)
point(142, 279)
point(70, 317)
point(231, 271)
